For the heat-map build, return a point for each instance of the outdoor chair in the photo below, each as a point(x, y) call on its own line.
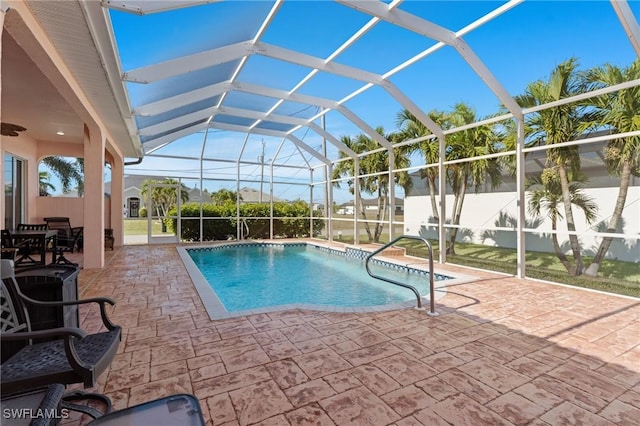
point(64, 355)
point(30, 246)
point(108, 238)
point(69, 238)
point(10, 248)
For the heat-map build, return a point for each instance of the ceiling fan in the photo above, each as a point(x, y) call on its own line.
point(8, 129)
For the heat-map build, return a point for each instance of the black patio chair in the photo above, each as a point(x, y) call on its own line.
point(11, 248)
point(30, 246)
point(64, 355)
point(69, 238)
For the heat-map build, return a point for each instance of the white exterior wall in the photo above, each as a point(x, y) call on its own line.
point(490, 210)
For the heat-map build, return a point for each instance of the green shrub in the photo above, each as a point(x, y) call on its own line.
point(220, 221)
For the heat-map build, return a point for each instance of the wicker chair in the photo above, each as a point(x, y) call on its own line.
point(61, 355)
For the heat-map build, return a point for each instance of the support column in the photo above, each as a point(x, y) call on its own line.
point(93, 237)
point(3, 10)
point(117, 199)
point(392, 194)
point(520, 193)
point(442, 193)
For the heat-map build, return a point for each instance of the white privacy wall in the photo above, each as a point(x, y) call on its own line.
point(482, 212)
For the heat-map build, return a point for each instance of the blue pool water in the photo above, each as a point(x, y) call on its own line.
point(250, 277)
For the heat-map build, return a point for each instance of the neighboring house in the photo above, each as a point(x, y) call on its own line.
point(250, 195)
point(370, 205)
point(133, 200)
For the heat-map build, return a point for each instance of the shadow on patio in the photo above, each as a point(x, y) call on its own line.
point(503, 351)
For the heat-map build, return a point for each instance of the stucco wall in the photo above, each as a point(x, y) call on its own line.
point(482, 211)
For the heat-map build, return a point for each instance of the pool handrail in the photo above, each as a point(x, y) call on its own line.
point(432, 312)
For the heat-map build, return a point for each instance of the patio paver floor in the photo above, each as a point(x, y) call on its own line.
point(503, 351)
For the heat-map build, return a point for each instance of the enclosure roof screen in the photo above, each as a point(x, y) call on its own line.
point(305, 73)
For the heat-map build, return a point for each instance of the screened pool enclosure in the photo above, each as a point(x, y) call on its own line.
point(506, 126)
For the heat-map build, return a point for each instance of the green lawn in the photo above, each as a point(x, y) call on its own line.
point(139, 227)
point(615, 276)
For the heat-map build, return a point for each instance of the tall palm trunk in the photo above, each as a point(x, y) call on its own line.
point(457, 212)
point(432, 194)
point(571, 226)
point(382, 210)
point(625, 180)
point(556, 247)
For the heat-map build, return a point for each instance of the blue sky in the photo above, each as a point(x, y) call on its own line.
point(522, 45)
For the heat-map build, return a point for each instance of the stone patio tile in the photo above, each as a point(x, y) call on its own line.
point(286, 373)
point(376, 380)
point(342, 381)
point(171, 352)
point(442, 361)
point(537, 394)
point(460, 410)
point(309, 392)
point(631, 397)
point(404, 368)
point(570, 393)
point(320, 363)
point(412, 347)
point(242, 358)
point(569, 414)
point(168, 386)
point(408, 400)
point(279, 420)
point(621, 413)
point(177, 326)
point(228, 382)
point(372, 353)
point(590, 381)
point(127, 377)
point(515, 408)
point(221, 409)
point(365, 336)
point(437, 388)
point(312, 345)
point(621, 373)
point(471, 387)
point(435, 340)
point(426, 417)
point(203, 361)
point(280, 350)
point(235, 329)
point(259, 401)
point(528, 366)
point(497, 376)
point(300, 333)
point(358, 406)
point(171, 369)
point(207, 372)
point(311, 415)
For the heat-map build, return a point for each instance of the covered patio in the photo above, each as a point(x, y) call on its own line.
point(503, 351)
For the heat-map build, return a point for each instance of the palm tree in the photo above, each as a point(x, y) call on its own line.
point(373, 184)
point(620, 112)
point(556, 125)
point(67, 171)
point(163, 198)
point(43, 183)
point(412, 128)
point(546, 200)
point(224, 196)
point(469, 143)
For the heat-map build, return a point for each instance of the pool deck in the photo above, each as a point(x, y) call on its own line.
point(502, 351)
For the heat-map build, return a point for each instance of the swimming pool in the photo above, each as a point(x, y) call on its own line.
point(246, 278)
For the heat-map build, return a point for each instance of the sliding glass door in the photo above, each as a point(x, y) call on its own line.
point(14, 191)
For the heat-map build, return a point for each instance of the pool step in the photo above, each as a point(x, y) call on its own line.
point(393, 251)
